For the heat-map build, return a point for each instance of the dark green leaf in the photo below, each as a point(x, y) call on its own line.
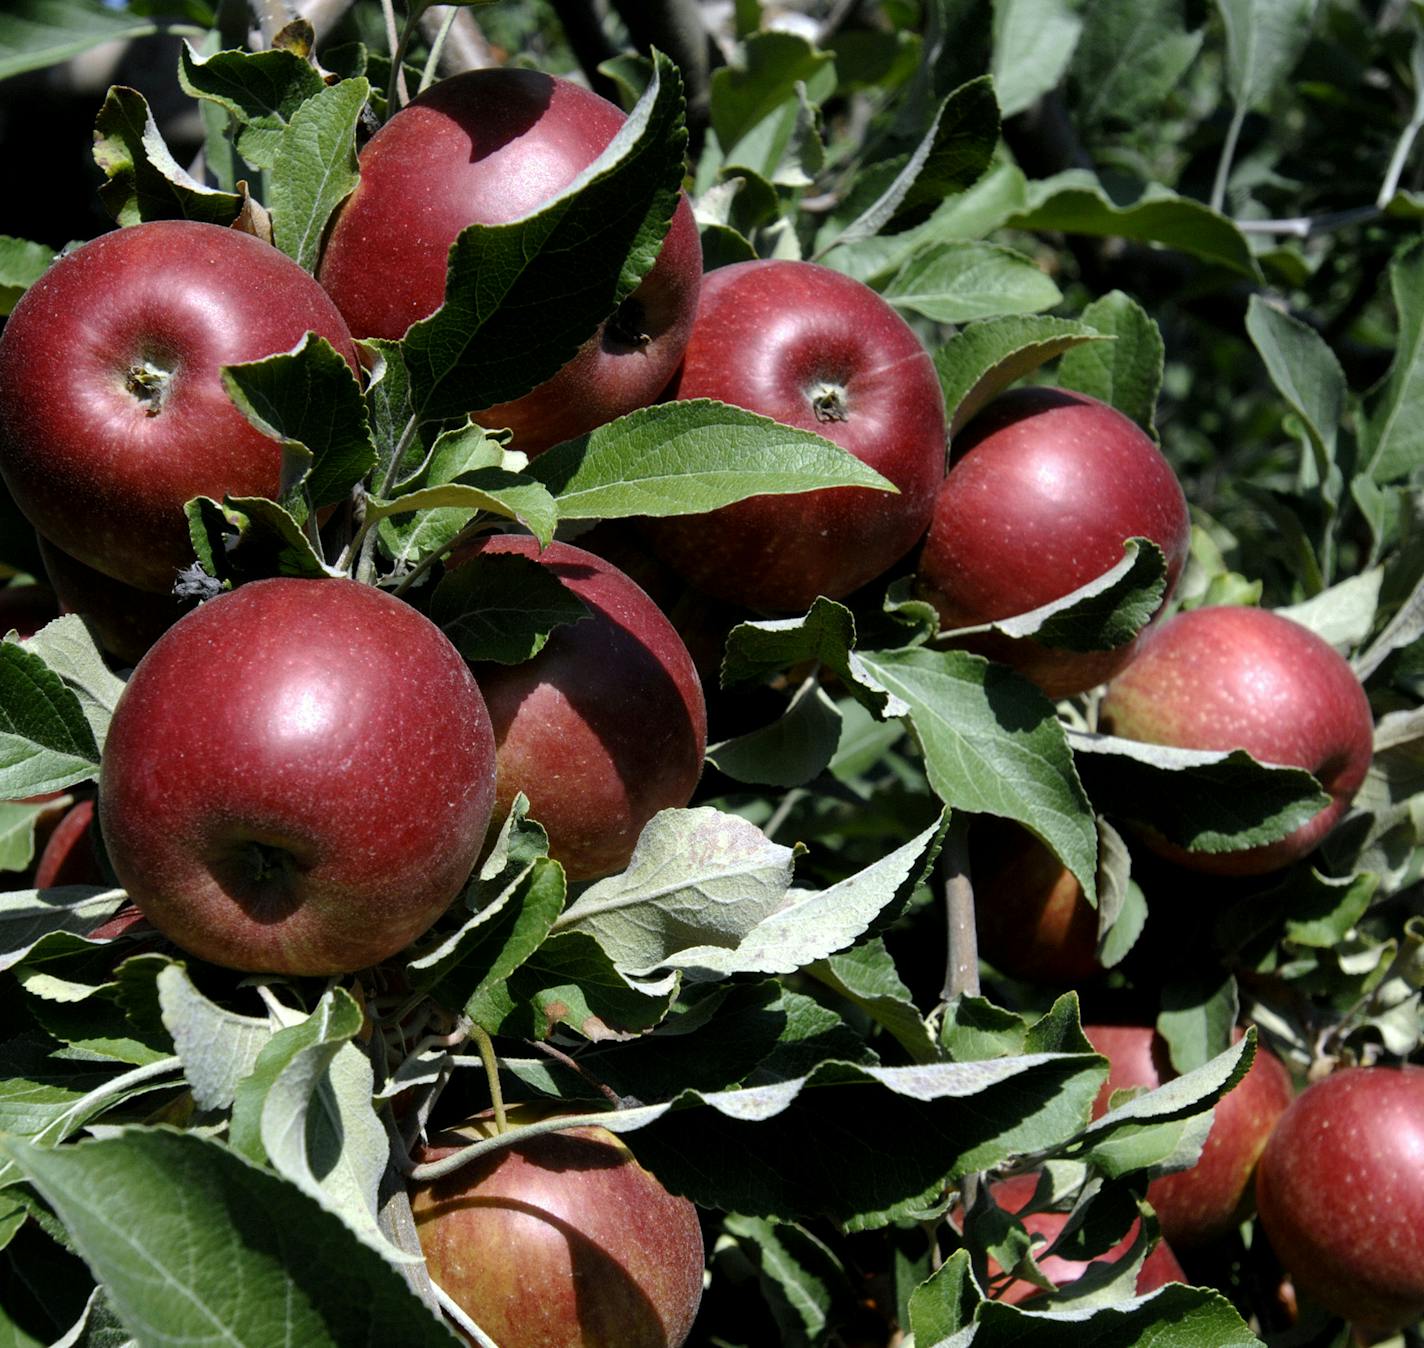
point(1125, 373)
point(21, 265)
point(145, 182)
point(46, 743)
point(521, 298)
point(39, 33)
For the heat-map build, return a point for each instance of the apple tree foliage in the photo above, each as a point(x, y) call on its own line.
point(1207, 215)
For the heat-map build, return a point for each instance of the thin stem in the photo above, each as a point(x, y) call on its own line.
point(365, 536)
point(487, 1055)
point(1228, 153)
point(396, 88)
point(962, 964)
point(475, 527)
point(778, 816)
point(427, 76)
point(447, 1165)
point(447, 1304)
point(1304, 226)
point(559, 1056)
point(1397, 162)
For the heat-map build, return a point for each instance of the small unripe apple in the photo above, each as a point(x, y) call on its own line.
point(113, 412)
point(487, 147)
point(606, 725)
point(1044, 488)
point(1013, 1194)
point(562, 1241)
point(817, 350)
point(1203, 1203)
point(297, 778)
point(1340, 1190)
point(1246, 678)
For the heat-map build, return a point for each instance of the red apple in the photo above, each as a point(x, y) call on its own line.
point(24, 609)
point(563, 1241)
point(297, 778)
point(112, 409)
point(124, 620)
point(1013, 1194)
point(1044, 488)
point(487, 147)
point(606, 725)
point(1198, 1205)
point(811, 348)
point(1340, 1190)
point(1033, 920)
point(69, 857)
point(1246, 678)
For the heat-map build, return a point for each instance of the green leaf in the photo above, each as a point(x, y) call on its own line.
point(46, 741)
point(249, 538)
point(867, 978)
point(784, 149)
point(261, 90)
point(801, 1276)
point(1172, 1317)
point(309, 401)
point(1105, 613)
point(27, 915)
point(1344, 615)
point(1392, 433)
point(684, 458)
point(813, 926)
point(773, 63)
point(697, 877)
point(944, 1304)
point(305, 1108)
point(1204, 801)
point(66, 646)
point(181, 1231)
point(315, 170)
point(1307, 374)
point(993, 745)
point(826, 635)
point(17, 832)
point(1075, 203)
point(1197, 1017)
point(1125, 373)
point(791, 751)
point(21, 265)
point(218, 1047)
point(514, 496)
point(959, 281)
point(521, 298)
point(502, 607)
point(1131, 55)
point(1033, 44)
point(954, 154)
point(39, 33)
point(985, 358)
point(145, 182)
point(1264, 40)
point(569, 980)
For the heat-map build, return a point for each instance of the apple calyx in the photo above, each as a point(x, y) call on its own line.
point(629, 322)
point(828, 401)
point(148, 382)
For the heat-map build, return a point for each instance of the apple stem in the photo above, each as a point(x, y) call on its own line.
point(962, 968)
point(449, 1306)
point(487, 1055)
point(558, 1055)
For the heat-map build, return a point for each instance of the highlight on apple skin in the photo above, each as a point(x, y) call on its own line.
point(298, 778)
